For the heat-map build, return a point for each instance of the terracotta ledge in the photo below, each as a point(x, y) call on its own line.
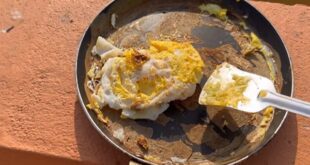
point(39, 109)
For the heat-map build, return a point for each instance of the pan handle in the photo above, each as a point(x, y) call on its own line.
point(286, 103)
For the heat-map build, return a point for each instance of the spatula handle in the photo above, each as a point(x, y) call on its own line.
point(286, 103)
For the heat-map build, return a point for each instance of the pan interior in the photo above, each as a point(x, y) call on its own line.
point(186, 132)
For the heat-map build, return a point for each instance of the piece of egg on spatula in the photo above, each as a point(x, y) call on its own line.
point(231, 87)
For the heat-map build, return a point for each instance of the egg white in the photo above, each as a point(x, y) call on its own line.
point(157, 104)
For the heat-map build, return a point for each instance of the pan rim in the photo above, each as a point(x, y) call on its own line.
point(132, 156)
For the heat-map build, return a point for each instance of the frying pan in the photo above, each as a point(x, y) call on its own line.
point(127, 11)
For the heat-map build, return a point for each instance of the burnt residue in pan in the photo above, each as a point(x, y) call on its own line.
point(188, 131)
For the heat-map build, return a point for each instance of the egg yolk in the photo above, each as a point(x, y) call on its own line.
point(229, 95)
point(183, 58)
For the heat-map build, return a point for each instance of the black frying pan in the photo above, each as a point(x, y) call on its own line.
point(129, 11)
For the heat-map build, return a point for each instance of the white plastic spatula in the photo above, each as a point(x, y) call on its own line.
point(231, 87)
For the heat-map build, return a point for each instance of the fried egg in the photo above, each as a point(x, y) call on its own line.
point(142, 82)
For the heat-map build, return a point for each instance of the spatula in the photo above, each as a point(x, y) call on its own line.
point(231, 87)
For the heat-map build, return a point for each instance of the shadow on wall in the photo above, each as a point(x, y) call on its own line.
point(92, 147)
point(281, 149)
point(288, 2)
point(13, 157)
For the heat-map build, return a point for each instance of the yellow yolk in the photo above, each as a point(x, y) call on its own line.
point(230, 95)
point(150, 87)
point(119, 89)
point(184, 60)
point(131, 64)
point(141, 91)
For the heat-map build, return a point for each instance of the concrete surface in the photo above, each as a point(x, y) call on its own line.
point(40, 118)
